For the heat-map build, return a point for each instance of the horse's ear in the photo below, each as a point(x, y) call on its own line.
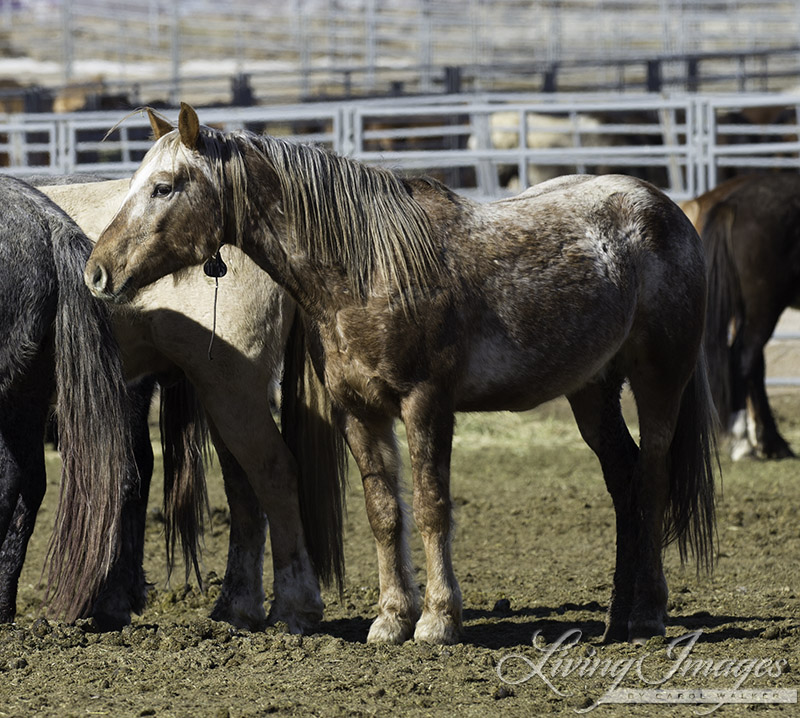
point(160, 126)
point(189, 126)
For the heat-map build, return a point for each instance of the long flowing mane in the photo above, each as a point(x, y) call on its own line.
point(340, 212)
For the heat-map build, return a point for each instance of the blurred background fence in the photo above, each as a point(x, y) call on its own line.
point(282, 51)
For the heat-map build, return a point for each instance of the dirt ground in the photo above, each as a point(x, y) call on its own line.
point(534, 555)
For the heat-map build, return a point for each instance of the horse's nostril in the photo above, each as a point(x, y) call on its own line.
point(99, 278)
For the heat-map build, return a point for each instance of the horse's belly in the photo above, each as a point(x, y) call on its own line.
point(500, 377)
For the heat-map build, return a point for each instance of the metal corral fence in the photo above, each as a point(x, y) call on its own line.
point(299, 49)
point(484, 146)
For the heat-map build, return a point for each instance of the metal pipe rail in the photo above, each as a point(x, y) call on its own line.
point(691, 139)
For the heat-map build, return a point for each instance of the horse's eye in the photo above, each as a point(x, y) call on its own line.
point(162, 190)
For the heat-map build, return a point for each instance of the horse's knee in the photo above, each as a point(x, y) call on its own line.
point(432, 504)
point(384, 510)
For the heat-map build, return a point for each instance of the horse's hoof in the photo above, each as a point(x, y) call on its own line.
point(781, 451)
point(438, 628)
point(641, 632)
point(741, 449)
point(108, 622)
point(302, 622)
point(251, 619)
point(615, 633)
point(390, 628)
point(112, 610)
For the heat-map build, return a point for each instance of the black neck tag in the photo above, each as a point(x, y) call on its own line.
point(215, 267)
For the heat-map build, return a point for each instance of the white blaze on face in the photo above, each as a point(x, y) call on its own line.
point(140, 190)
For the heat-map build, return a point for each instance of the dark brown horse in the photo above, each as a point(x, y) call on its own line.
point(419, 303)
point(750, 228)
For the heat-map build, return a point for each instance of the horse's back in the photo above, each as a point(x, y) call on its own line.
point(90, 204)
point(590, 214)
point(589, 262)
point(763, 230)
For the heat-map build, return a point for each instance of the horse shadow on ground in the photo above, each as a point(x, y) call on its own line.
point(504, 629)
point(720, 628)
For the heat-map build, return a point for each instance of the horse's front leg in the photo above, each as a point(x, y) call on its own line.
point(241, 598)
point(429, 426)
point(374, 448)
point(241, 419)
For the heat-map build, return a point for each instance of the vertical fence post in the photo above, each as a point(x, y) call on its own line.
point(522, 144)
point(67, 30)
point(67, 160)
point(426, 45)
point(709, 145)
point(371, 44)
point(175, 54)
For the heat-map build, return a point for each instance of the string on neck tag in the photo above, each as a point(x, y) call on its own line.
point(216, 268)
point(214, 321)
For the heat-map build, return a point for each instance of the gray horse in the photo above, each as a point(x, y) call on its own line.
point(57, 340)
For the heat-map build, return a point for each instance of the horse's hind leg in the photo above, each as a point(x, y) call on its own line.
point(241, 598)
point(768, 440)
point(22, 487)
point(374, 449)
point(599, 417)
point(125, 589)
point(12, 556)
point(658, 389)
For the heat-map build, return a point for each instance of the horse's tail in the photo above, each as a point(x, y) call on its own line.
point(94, 436)
point(724, 304)
point(693, 461)
point(185, 448)
point(311, 434)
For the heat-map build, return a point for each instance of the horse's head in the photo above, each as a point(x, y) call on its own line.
point(171, 217)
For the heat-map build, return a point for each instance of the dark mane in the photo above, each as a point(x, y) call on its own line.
point(383, 241)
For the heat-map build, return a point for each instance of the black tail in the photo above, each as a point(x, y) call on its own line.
point(724, 310)
point(694, 460)
point(94, 433)
point(186, 448)
point(311, 434)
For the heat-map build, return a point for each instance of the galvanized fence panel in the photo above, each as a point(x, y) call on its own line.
point(685, 144)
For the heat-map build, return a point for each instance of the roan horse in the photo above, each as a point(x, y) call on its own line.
point(419, 303)
point(57, 340)
point(750, 227)
point(166, 332)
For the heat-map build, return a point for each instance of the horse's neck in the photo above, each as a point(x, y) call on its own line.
point(263, 239)
point(296, 275)
point(91, 205)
